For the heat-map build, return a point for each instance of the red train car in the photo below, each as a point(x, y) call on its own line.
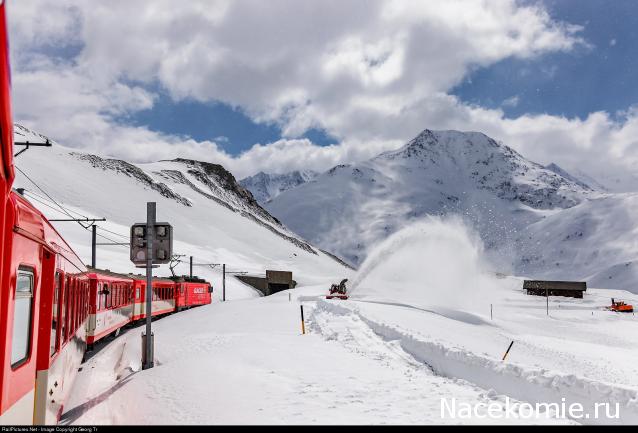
point(191, 292)
point(44, 300)
point(111, 305)
point(163, 299)
point(120, 299)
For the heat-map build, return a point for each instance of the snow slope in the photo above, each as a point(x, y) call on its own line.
point(266, 186)
point(214, 219)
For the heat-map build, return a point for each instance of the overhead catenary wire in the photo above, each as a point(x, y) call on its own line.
point(44, 192)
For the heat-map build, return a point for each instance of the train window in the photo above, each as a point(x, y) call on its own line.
point(107, 296)
point(74, 308)
point(22, 317)
point(54, 316)
point(63, 302)
point(67, 306)
point(71, 311)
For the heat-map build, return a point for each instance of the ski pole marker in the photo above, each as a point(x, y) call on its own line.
point(303, 326)
point(508, 350)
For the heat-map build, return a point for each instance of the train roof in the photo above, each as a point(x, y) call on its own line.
point(130, 276)
point(187, 279)
point(32, 223)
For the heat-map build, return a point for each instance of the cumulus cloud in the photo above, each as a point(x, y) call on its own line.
point(371, 73)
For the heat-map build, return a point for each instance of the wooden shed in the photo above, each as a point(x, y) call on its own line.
point(570, 289)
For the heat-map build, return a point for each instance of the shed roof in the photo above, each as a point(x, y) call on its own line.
point(555, 285)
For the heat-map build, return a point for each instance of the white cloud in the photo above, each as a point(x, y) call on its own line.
point(371, 73)
point(512, 101)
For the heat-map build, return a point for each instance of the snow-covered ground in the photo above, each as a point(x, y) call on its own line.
point(246, 362)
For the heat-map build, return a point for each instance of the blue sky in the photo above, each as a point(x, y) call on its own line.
point(600, 77)
point(229, 127)
point(603, 77)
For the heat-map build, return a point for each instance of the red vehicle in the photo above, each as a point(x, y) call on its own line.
point(191, 292)
point(120, 299)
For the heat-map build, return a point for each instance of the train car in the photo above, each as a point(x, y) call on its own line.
point(44, 302)
point(111, 303)
point(191, 292)
point(163, 298)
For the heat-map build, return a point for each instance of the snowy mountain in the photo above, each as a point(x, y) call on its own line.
point(215, 219)
point(265, 186)
point(351, 207)
point(534, 221)
point(561, 172)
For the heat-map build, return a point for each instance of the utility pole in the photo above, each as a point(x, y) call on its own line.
point(93, 246)
point(547, 300)
point(191, 272)
point(224, 282)
point(150, 229)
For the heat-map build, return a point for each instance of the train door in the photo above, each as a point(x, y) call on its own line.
point(47, 340)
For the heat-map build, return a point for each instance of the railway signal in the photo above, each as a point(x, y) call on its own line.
point(151, 245)
point(162, 243)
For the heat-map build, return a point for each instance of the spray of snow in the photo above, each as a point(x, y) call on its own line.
point(431, 262)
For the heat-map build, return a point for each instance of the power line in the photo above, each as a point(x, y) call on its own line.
point(68, 212)
point(114, 233)
point(43, 191)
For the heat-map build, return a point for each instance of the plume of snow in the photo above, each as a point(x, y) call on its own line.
point(431, 262)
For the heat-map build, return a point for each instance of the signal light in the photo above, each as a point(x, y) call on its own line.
point(162, 243)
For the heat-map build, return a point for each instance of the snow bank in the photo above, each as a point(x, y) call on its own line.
point(432, 262)
point(533, 385)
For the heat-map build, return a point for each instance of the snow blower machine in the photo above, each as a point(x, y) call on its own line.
point(620, 307)
point(338, 291)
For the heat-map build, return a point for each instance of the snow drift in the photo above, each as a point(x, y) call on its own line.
point(431, 262)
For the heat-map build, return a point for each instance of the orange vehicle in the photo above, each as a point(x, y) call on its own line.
point(621, 307)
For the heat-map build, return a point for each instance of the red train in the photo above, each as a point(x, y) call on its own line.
point(117, 300)
point(51, 305)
